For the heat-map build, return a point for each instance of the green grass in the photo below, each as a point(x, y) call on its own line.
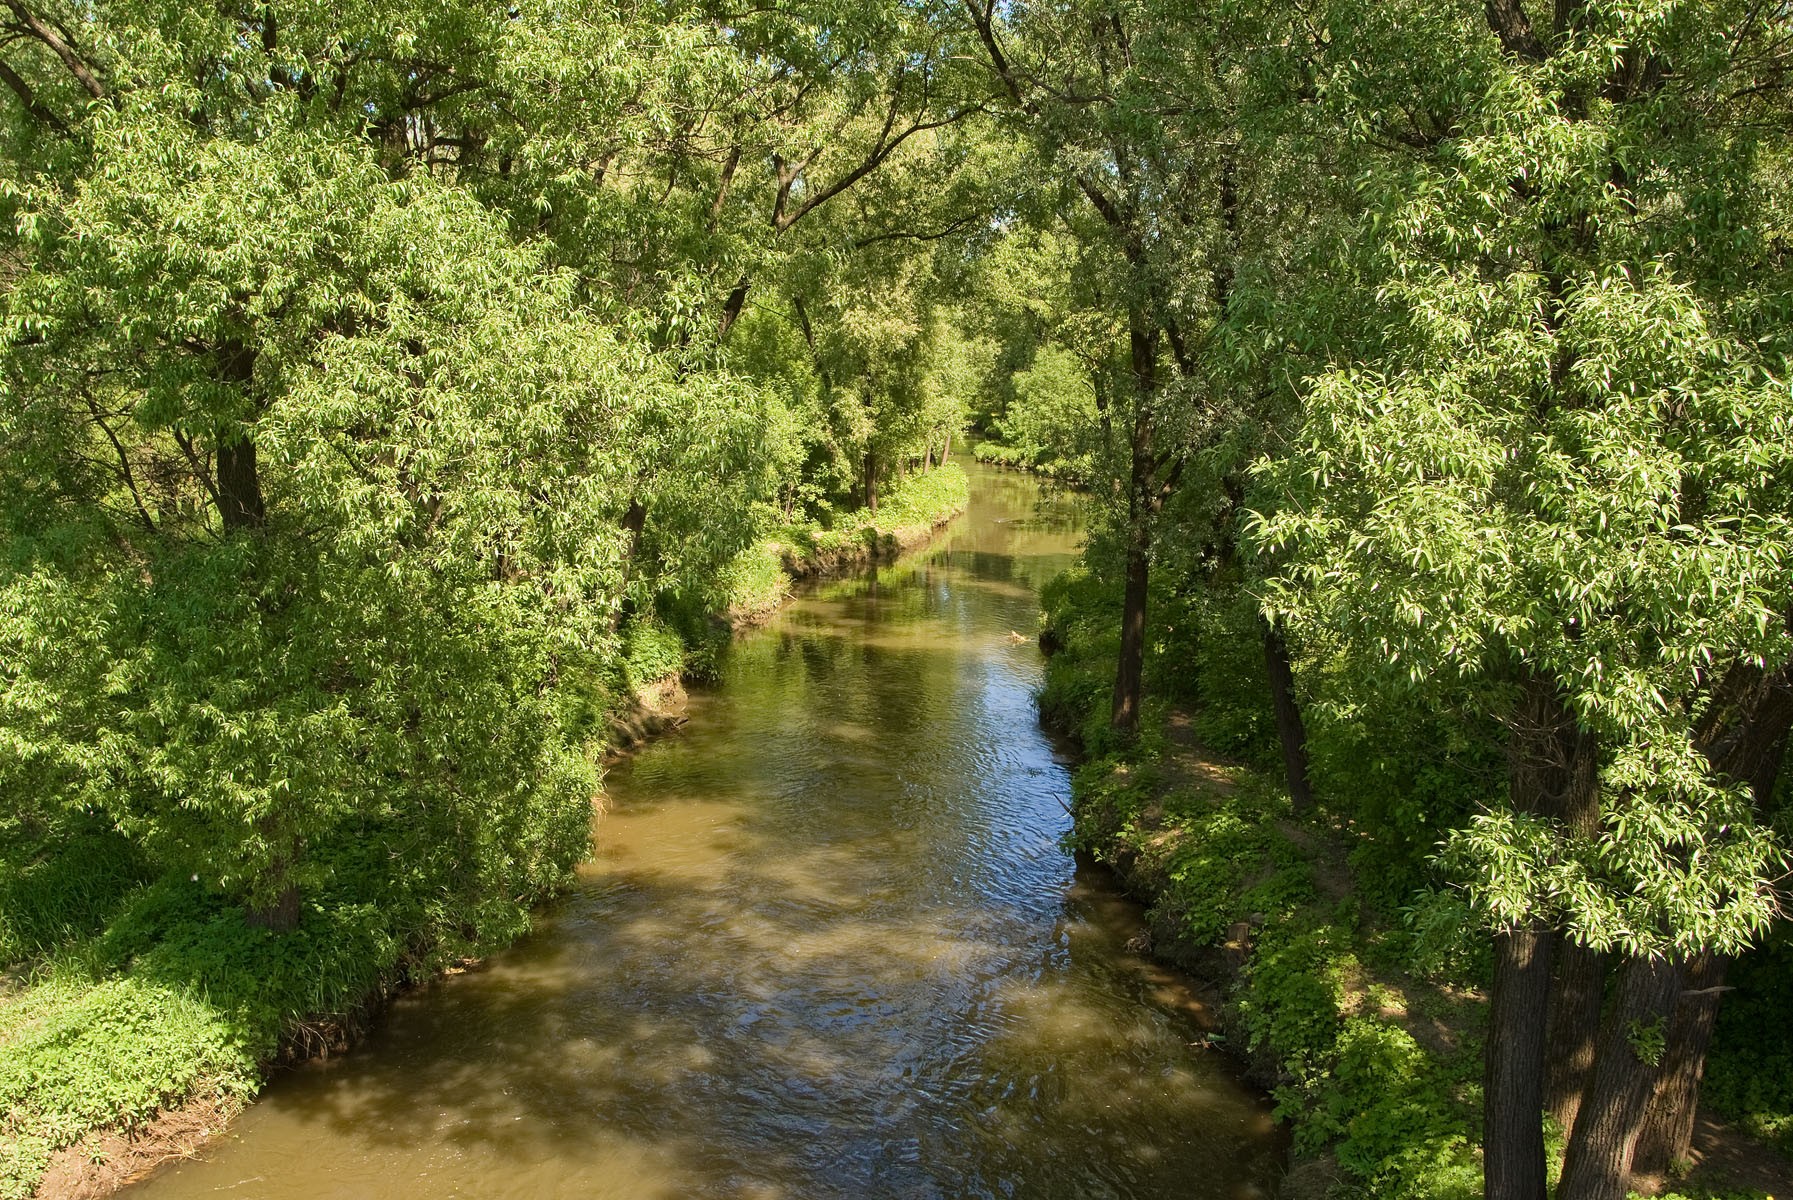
point(178, 995)
point(758, 580)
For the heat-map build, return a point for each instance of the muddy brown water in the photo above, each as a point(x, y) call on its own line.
point(830, 946)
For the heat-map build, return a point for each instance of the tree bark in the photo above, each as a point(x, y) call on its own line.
point(1578, 978)
point(1290, 729)
point(1597, 1165)
point(1577, 988)
point(1744, 736)
point(1513, 1070)
point(240, 504)
point(1552, 771)
point(871, 483)
point(1667, 1136)
point(282, 916)
point(1129, 672)
point(1129, 675)
point(731, 308)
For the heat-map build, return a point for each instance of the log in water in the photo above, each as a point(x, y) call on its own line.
point(830, 945)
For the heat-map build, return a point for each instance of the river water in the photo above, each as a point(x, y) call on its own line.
point(830, 946)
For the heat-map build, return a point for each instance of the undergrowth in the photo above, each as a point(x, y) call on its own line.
point(1362, 1013)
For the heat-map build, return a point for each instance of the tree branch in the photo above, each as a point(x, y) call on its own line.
point(29, 100)
point(49, 37)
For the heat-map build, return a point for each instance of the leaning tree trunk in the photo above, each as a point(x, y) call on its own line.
point(1667, 1136)
point(1290, 729)
point(1744, 736)
point(1597, 1165)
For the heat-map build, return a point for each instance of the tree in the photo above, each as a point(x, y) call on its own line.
point(1559, 472)
point(317, 483)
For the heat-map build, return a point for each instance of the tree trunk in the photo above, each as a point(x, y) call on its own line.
point(1129, 674)
point(731, 308)
point(282, 916)
point(1578, 986)
point(1552, 771)
point(240, 504)
point(1578, 978)
point(1667, 1136)
point(871, 483)
point(946, 447)
point(1597, 1165)
point(1513, 1071)
point(1744, 736)
point(1289, 726)
point(927, 455)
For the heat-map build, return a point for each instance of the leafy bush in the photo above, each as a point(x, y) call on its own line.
point(61, 875)
point(651, 652)
point(1749, 1075)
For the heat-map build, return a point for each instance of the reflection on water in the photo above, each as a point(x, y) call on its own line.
point(830, 946)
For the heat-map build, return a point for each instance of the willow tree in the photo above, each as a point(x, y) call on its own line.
point(317, 481)
point(1128, 108)
point(1558, 474)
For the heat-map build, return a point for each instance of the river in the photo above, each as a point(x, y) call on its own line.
point(830, 946)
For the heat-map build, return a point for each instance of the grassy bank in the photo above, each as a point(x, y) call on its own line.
point(1351, 993)
point(140, 1010)
point(759, 580)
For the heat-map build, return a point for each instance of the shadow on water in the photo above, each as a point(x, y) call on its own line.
point(830, 945)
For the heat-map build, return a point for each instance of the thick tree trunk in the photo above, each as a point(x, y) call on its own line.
point(1578, 977)
point(1667, 1136)
point(1289, 727)
point(240, 504)
point(871, 482)
point(1552, 771)
point(1597, 1165)
point(1513, 1071)
point(282, 916)
point(1577, 987)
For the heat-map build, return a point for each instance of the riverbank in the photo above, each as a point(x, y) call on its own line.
point(907, 519)
point(144, 1012)
point(1365, 1026)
